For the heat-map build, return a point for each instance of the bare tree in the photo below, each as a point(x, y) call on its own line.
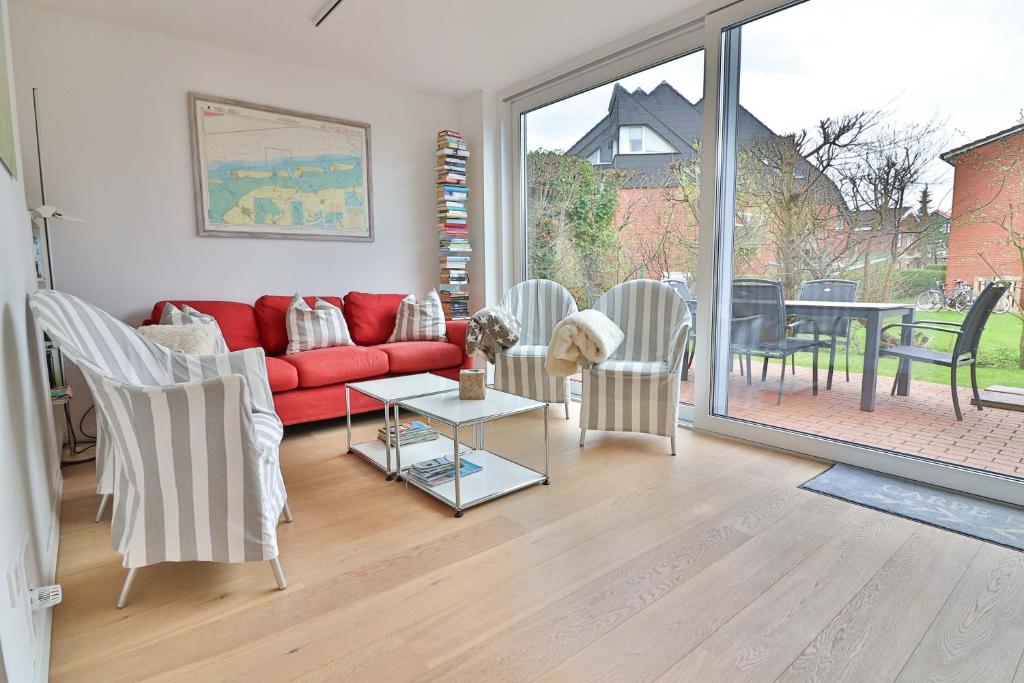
point(790, 185)
point(879, 180)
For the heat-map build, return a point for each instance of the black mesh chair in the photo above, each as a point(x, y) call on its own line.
point(683, 290)
point(770, 337)
point(837, 327)
point(965, 349)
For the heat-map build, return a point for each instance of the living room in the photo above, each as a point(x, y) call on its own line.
point(460, 341)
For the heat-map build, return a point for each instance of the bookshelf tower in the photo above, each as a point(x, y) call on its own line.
point(452, 224)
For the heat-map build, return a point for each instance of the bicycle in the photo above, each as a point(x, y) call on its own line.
point(959, 299)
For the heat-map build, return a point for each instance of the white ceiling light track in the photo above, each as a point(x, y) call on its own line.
point(326, 12)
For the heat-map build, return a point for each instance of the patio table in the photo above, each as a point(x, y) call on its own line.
point(874, 313)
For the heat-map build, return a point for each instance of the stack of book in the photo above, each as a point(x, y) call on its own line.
point(452, 223)
point(410, 433)
point(439, 470)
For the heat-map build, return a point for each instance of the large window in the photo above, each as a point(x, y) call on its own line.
point(612, 181)
point(872, 163)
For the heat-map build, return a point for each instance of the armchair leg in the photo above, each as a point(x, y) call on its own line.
point(956, 397)
point(288, 517)
point(583, 435)
point(974, 386)
point(672, 444)
point(104, 499)
point(278, 573)
point(122, 599)
point(566, 407)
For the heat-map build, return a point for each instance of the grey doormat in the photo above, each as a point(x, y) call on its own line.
point(980, 518)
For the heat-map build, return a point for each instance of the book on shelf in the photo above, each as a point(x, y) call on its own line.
point(410, 433)
point(60, 393)
point(440, 470)
point(455, 249)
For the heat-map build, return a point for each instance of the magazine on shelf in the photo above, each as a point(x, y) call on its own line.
point(410, 433)
point(440, 470)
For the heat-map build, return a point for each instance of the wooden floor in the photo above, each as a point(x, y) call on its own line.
point(632, 565)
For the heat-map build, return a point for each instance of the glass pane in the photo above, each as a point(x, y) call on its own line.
point(596, 216)
point(874, 188)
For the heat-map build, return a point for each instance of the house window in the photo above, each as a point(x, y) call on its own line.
point(642, 140)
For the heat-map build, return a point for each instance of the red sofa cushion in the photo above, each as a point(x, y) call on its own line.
point(237, 321)
point(270, 313)
point(282, 375)
point(371, 317)
point(321, 367)
point(421, 356)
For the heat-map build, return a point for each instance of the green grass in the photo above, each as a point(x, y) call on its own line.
point(997, 355)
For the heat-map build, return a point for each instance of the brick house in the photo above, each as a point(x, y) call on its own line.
point(988, 198)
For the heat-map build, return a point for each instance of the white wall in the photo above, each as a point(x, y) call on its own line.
point(116, 149)
point(29, 476)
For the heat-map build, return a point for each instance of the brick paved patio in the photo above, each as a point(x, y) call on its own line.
point(920, 424)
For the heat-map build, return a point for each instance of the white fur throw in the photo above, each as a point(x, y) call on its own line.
point(588, 335)
point(198, 339)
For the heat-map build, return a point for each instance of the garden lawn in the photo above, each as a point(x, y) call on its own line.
point(997, 356)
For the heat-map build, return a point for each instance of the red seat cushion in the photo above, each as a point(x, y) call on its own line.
point(320, 367)
point(237, 321)
point(421, 356)
point(371, 317)
point(282, 375)
point(270, 313)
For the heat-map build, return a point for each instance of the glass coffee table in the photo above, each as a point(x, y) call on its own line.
point(388, 391)
point(499, 476)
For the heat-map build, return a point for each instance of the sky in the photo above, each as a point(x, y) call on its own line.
point(959, 64)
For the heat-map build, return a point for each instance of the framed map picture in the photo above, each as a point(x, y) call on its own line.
point(266, 172)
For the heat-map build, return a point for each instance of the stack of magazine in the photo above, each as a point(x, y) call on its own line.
point(410, 433)
point(439, 470)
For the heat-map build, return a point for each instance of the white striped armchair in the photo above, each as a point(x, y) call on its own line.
point(637, 388)
point(538, 305)
point(190, 442)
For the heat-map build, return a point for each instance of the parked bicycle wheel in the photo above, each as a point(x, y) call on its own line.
point(963, 302)
point(1004, 304)
point(930, 300)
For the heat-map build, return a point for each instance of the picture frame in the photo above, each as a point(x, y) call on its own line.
point(263, 171)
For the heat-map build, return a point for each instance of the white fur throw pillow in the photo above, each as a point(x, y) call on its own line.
point(199, 339)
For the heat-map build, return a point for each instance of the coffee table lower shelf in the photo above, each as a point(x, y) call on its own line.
point(375, 452)
point(498, 477)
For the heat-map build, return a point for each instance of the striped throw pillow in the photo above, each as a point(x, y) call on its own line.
point(315, 328)
point(186, 315)
point(420, 320)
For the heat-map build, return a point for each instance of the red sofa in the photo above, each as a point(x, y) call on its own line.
point(310, 385)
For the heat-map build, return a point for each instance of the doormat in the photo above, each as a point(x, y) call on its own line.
point(979, 518)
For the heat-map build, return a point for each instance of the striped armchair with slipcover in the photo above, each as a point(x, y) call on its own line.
point(637, 388)
point(538, 305)
point(190, 443)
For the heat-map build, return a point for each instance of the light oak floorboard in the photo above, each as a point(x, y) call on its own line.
point(632, 565)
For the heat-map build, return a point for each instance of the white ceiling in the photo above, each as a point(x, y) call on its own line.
point(447, 46)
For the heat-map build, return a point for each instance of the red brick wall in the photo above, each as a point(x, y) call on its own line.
point(988, 193)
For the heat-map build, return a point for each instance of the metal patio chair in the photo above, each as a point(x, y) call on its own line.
point(762, 300)
point(836, 327)
point(965, 348)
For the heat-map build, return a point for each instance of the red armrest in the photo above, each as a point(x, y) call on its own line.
point(457, 336)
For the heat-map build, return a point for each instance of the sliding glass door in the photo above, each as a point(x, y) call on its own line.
point(831, 196)
point(867, 187)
